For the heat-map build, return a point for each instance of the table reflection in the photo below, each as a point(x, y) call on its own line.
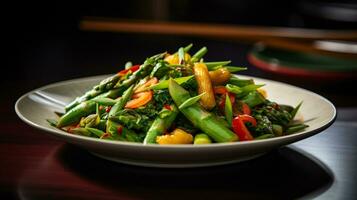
point(284, 173)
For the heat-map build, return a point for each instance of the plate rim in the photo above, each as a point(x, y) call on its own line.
point(60, 133)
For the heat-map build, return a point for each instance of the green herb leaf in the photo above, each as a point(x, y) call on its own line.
point(265, 136)
point(295, 128)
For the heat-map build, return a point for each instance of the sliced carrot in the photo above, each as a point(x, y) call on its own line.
point(140, 99)
point(146, 85)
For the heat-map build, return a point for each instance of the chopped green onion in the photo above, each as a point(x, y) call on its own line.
point(228, 110)
point(191, 101)
point(165, 84)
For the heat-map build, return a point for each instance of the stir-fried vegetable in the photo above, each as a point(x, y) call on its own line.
point(178, 136)
point(178, 99)
point(220, 76)
point(204, 85)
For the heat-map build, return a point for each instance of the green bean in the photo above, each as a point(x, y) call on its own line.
point(240, 82)
point(277, 129)
point(295, 128)
point(212, 65)
point(200, 53)
point(265, 136)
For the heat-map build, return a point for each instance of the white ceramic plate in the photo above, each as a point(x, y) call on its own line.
point(38, 105)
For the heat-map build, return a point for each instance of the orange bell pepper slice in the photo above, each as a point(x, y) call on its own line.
point(146, 85)
point(140, 99)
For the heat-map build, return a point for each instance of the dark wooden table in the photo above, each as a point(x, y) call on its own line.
point(34, 165)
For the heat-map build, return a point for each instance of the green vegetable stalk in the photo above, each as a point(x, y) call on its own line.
point(200, 118)
point(75, 114)
point(161, 124)
point(102, 87)
point(119, 105)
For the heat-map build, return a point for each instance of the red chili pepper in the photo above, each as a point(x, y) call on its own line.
point(220, 90)
point(246, 110)
point(248, 118)
point(132, 69)
point(240, 129)
point(120, 130)
point(167, 106)
point(108, 109)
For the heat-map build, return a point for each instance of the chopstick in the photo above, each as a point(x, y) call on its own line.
point(251, 33)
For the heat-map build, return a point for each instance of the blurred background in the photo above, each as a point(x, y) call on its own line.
point(311, 44)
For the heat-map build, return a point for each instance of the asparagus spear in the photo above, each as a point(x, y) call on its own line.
point(122, 101)
point(143, 71)
point(160, 124)
point(202, 119)
point(114, 86)
point(103, 86)
point(75, 114)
